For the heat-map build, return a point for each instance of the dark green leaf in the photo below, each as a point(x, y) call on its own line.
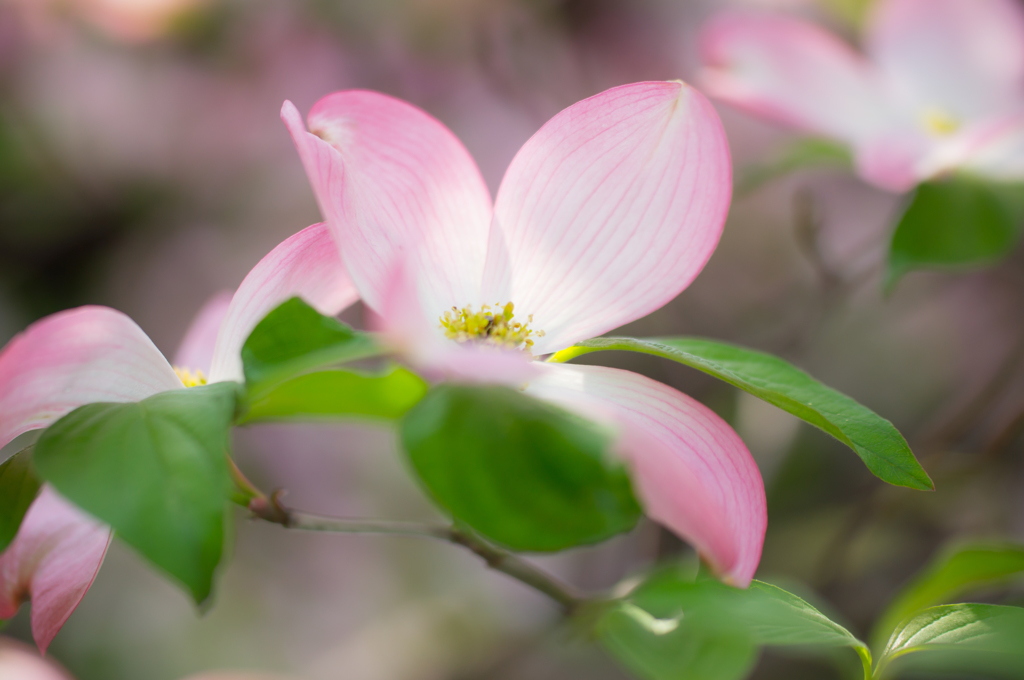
point(520, 472)
point(804, 153)
point(339, 393)
point(677, 626)
point(957, 571)
point(880, 445)
point(954, 223)
point(155, 470)
point(18, 488)
point(959, 637)
point(294, 339)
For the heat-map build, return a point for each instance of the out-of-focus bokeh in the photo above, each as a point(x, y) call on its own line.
point(143, 166)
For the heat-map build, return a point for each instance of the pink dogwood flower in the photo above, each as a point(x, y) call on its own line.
point(939, 88)
point(606, 214)
point(97, 354)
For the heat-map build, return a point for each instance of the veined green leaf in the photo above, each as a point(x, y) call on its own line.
point(156, 471)
point(675, 626)
point(955, 223)
point(18, 488)
point(295, 339)
point(879, 444)
point(958, 570)
point(521, 472)
point(959, 637)
point(339, 393)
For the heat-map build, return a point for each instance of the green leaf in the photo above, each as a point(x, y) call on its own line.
point(525, 474)
point(339, 393)
point(956, 223)
point(803, 153)
point(155, 470)
point(880, 445)
point(295, 339)
point(959, 637)
point(677, 626)
point(957, 571)
point(18, 488)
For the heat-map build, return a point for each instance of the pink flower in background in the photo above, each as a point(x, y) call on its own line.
point(605, 215)
point(940, 88)
point(97, 354)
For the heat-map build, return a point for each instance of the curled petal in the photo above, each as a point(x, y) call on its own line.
point(610, 210)
point(76, 357)
point(691, 471)
point(52, 561)
point(22, 663)
point(196, 349)
point(793, 72)
point(307, 265)
point(392, 181)
point(953, 59)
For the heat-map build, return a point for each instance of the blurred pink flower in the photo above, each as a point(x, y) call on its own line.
point(93, 354)
point(606, 214)
point(941, 87)
point(126, 20)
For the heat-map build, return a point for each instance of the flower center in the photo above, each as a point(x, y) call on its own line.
point(190, 379)
point(497, 327)
point(939, 123)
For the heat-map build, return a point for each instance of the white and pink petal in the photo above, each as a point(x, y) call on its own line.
point(609, 211)
point(79, 356)
point(52, 561)
point(691, 471)
point(306, 265)
point(393, 182)
point(793, 72)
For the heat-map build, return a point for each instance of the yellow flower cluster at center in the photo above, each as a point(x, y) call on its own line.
point(495, 326)
point(190, 379)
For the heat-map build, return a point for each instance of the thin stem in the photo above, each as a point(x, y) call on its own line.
point(271, 510)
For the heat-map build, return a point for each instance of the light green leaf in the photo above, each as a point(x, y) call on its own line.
point(677, 626)
point(956, 223)
point(18, 488)
point(522, 473)
point(958, 570)
point(880, 445)
point(295, 339)
point(803, 153)
point(155, 470)
point(339, 393)
point(959, 637)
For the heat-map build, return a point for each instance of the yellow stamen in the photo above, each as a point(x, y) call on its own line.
point(938, 122)
point(190, 379)
point(497, 327)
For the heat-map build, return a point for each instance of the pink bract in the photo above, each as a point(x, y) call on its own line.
point(607, 213)
point(940, 86)
point(97, 354)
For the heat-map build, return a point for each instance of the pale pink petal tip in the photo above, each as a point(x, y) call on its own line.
point(76, 357)
point(196, 349)
point(388, 177)
point(304, 265)
point(52, 561)
point(610, 210)
point(691, 471)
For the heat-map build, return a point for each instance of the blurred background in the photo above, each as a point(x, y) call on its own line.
point(143, 166)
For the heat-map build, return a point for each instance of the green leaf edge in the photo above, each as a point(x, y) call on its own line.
point(914, 478)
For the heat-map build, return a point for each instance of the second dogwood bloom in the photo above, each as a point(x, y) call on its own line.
point(941, 87)
point(606, 214)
